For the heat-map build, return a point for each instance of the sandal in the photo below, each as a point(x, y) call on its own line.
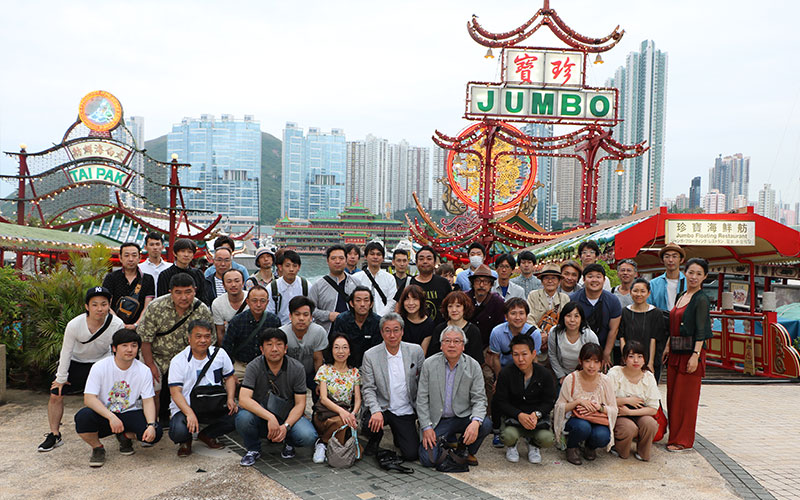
point(676, 448)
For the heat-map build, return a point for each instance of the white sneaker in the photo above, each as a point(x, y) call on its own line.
point(512, 455)
point(534, 456)
point(319, 453)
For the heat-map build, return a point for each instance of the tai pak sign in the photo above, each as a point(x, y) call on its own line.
point(540, 85)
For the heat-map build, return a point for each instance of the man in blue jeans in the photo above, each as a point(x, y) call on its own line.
point(272, 400)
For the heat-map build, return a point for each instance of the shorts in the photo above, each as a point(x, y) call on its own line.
point(76, 379)
point(157, 385)
point(239, 369)
point(87, 420)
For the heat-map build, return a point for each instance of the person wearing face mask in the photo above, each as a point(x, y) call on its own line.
point(477, 254)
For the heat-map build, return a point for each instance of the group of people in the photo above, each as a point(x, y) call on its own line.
point(444, 359)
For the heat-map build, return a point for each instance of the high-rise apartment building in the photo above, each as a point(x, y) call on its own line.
point(681, 202)
point(544, 174)
point(766, 202)
point(694, 193)
point(739, 201)
point(714, 202)
point(136, 126)
point(438, 159)
point(731, 176)
point(568, 181)
point(643, 105)
point(314, 168)
point(418, 176)
point(225, 158)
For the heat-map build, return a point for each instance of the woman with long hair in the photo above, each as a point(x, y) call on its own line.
point(566, 340)
point(642, 322)
point(413, 307)
point(690, 327)
point(455, 307)
point(637, 399)
point(339, 384)
point(586, 407)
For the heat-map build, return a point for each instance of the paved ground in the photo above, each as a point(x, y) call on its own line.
point(743, 451)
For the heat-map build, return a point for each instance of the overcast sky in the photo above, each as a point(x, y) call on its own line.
point(394, 69)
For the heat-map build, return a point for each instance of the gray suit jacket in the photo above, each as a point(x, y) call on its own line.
point(469, 394)
point(375, 375)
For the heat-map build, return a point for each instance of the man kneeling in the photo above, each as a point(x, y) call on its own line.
point(451, 399)
point(215, 368)
point(119, 400)
point(525, 395)
point(273, 399)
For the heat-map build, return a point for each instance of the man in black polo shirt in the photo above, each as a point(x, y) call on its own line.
point(184, 251)
point(360, 323)
point(272, 400)
point(131, 289)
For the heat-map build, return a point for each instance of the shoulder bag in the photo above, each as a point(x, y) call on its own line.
point(129, 305)
point(343, 453)
point(208, 401)
point(100, 331)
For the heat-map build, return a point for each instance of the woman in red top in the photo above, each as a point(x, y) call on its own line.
point(690, 327)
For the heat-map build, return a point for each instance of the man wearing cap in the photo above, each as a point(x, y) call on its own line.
point(265, 259)
point(601, 309)
point(119, 400)
point(545, 304)
point(477, 254)
point(489, 307)
point(87, 338)
point(164, 327)
point(665, 288)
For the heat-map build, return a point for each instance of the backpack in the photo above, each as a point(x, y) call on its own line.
point(276, 297)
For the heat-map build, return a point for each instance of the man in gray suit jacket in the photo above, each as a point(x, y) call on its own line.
point(451, 399)
point(389, 375)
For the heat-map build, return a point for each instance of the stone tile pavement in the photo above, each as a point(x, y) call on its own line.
point(758, 428)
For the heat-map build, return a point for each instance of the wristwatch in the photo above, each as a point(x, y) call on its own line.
point(697, 352)
point(151, 424)
point(538, 414)
point(288, 427)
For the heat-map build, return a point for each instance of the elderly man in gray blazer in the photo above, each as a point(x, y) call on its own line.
point(389, 375)
point(451, 399)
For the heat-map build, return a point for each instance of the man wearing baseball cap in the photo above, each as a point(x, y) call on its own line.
point(119, 400)
point(87, 338)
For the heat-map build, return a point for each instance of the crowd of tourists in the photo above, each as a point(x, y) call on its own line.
point(445, 359)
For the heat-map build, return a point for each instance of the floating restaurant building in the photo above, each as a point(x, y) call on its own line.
point(356, 225)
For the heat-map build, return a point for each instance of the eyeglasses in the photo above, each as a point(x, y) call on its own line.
point(393, 330)
point(452, 341)
point(222, 260)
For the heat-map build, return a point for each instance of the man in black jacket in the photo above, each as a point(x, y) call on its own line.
point(525, 395)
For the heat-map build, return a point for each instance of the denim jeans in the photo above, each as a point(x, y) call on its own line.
point(179, 430)
point(252, 428)
point(449, 427)
point(595, 435)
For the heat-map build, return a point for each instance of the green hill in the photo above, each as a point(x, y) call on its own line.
point(270, 172)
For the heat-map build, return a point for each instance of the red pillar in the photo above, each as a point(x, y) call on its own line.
point(173, 198)
point(23, 171)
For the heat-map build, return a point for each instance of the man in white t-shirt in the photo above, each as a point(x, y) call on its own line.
point(154, 264)
point(87, 339)
point(119, 400)
point(230, 303)
point(184, 369)
point(382, 284)
point(305, 339)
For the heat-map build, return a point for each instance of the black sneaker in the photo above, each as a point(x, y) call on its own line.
point(372, 447)
point(98, 457)
point(125, 445)
point(50, 441)
point(288, 451)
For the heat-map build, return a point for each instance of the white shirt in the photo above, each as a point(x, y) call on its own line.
point(218, 285)
point(152, 269)
point(569, 351)
point(184, 369)
point(287, 292)
point(672, 291)
point(120, 390)
point(398, 392)
point(388, 286)
point(223, 311)
point(77, 331)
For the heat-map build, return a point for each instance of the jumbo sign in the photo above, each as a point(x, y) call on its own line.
point(542, 85)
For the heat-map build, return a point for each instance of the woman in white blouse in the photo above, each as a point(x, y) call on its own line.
point(638, 399)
